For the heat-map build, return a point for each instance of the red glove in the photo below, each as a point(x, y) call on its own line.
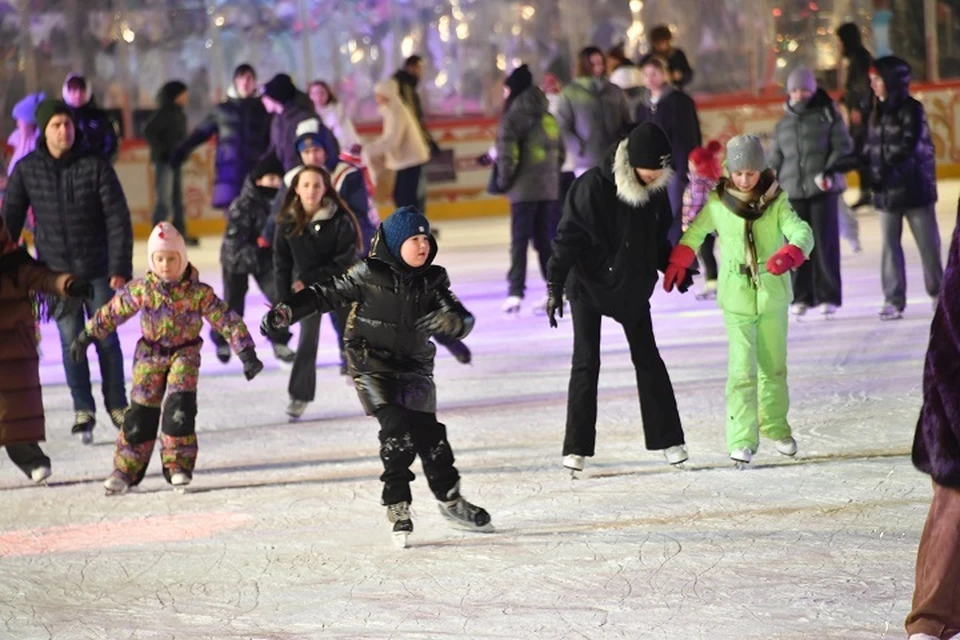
point(788, 257)
point(681, 258)
point(263, 243)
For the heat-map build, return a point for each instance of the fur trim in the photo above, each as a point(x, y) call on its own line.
point(629, 188)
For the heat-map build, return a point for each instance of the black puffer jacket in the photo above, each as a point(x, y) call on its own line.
point(242, 127)
point(167, 128)
point(899, 151)
point(676, 114)
point(239, 252)
point(391, 360)
point(612, 239)
point(83, 223)
point(322, 250)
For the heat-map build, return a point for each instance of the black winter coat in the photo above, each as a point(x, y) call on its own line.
point(612, 238)
point(283, 132)
point(96, 132)
point(239, 252)
point(321, 251)
point(83, 223)
point(390, 359)
point(167, 128)
point(857, 94)
point(242, 127)
point(676, 114)
point(899, 152)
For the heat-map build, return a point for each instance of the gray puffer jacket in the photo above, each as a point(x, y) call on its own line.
point(530, 151)
point(593, 115)
point(809, 140)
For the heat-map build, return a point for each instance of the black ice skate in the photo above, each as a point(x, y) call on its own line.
point(83, 424)
point(463, 515)
point(399, 515)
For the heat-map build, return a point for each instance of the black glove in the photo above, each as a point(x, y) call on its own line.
point(278, 317)
point(442, 323)
point(687, 282)
point(554, 302)
point(79, 289)
point(251, 363)
point(78, 349)
point(485, 160)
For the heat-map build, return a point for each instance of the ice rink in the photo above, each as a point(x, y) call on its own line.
point(282, 536)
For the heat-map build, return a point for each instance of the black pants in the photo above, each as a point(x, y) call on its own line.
point(408, 190)
point(536, 221)
point(303, 378)
point(658, 406)
point(28, 456)
point(405, 434)
point(817, 281)
point(707, 259)
point(235, 287)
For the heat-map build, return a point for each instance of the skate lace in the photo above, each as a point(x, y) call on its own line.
point(399, 511)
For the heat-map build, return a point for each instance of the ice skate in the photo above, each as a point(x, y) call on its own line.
point(296, 408)
point(798, 310)
point(786, 446)
point(464, 515)
point(179, 480)
point(40, 474)
point(115, 486)
point(574, 463)
point(741, 458)
point(709, 291)
point(117, 416)
point(677, 455)
point(828, 310)
point(890, 312)
point(511, 305)
point(83, 424)
point(284, 354)
point(399, 515)
point(223, 353)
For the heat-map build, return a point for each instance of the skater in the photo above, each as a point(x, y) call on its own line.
point(661, 41)
point(23, 140)
point(529, 155)
point(241, 256)
point(398, 299)
point(751, 216)
point(611, 241)
point(857, 100)
point(704, 173)
point(24, 283)
point(96, 132)
point(936, 452)
point(333, 114)
point(172, 303)
point(810, 153)
point(317, 237)
point(902, 164)
point(290, 107)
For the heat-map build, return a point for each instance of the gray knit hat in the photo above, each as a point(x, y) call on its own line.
point(745, 153)
point(801, 78)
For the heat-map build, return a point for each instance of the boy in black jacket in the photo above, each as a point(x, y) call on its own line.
point(398, 299)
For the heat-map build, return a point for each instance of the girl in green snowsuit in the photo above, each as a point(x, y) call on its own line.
point(751, 216)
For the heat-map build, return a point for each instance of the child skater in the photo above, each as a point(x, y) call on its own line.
point(751, 216)
point(398, 300)
point(25, 284)
point(172, 303)
point(704, 167)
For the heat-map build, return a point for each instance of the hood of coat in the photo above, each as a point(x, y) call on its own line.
point(379, 252)
point(850, 38)
point(251, 190)
point(189, 278)
point(168, 93)
point(896, 76)
point(819, 101)
point(87, 97)
point(630, 190)
point(646, 96)
point(627, 76)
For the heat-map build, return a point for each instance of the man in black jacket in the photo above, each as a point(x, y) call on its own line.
point(857, 97)
point(611, 242)
point(96, 131)
point(83, 228)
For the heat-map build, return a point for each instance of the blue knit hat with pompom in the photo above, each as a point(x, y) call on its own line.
point(402, 224)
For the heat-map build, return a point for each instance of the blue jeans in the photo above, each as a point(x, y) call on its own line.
point(169, 192)
point(108, 352)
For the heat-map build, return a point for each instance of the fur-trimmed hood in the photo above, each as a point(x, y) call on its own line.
point(630, 190)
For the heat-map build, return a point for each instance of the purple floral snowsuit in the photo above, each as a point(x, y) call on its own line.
point(167, 361)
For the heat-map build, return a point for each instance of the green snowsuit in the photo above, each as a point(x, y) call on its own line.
point(755, 315)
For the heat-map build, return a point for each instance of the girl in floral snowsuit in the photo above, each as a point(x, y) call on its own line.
point(173, 303)
point(704, 167)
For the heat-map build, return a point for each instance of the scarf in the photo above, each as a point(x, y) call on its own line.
point(750, 206)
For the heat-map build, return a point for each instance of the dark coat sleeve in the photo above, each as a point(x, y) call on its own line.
point(116, 215)
point(16, 202)
point(209, 126)
point(282, 262)
point(678, 62)
point(336, 292)
point(345, 252)
point(354, 193)
point(685, 136)
point(573, 233)
point(445, 301)
point(911, 122)
point(111, 137)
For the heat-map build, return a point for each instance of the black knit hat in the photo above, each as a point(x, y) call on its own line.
point(520, 80)
point(49, 108)
point(280, 88)
point(648, 147)
point(269, 165)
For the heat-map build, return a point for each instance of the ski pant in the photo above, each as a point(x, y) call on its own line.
point(893, 274)
point(235, 287)
point(707, 259)
point(168, 188)
point(658, 406)
point(817, 281)
point(303, 378)
point(158, 372)
point(28, 456)
point(675, 190)
point(405, 434)
point(410, 188)
point(757, 398)
point(936, 605)
point(530, 221)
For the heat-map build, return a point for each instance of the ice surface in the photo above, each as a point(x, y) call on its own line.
point(281, 535)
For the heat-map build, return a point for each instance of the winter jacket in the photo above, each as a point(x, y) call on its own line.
point(242, 127)
point(936, 444)
point(629, 78)
point(553, 105)
point(736, 292)
point(811, 139)
point(21, 402)
point(695, 196)
point(171, 313)
point(530, 151)
point(612, 238)
point(332, 115)
point(167, 128)
point(593, 115)
point(857, 94)
point(390, 359)
point(401, 142)
point(899, 150)
point(246, 217)
point(22, 145)
point(676, 61)
point(283, 131)
point(82, 221)
point(324, 249)
point(96, 132)
point(407, 88)
point(676, 114)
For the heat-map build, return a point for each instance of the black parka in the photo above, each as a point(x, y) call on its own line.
point(167, 128)
point(319, 252)
point(246, 217)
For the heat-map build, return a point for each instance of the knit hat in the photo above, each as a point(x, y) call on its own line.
point(745, 153)
point(706, 160)
point(402, 224)
point(49, 108)
point(311, 133)
point(801, 78)
point(166, 238)
point(648, 147)
point(269, 165)
point(280, 88)
point(520, 80)
point(26, 109)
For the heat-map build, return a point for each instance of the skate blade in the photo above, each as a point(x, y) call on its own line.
point(679, 465)
point(466, 526)
point(740, 465)
point(86, 437)
point(400, 539)
point(115, 492)
point(180, 490)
